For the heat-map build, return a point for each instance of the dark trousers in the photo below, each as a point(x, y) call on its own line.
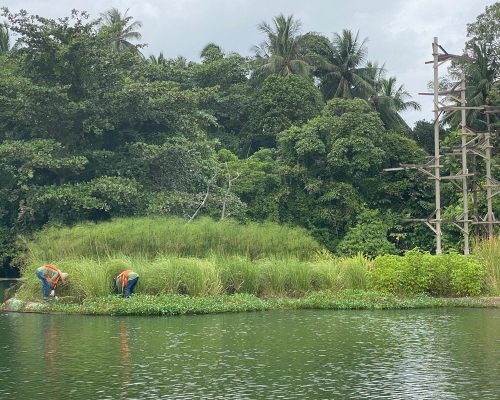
point(45, 284)
point(129, 287)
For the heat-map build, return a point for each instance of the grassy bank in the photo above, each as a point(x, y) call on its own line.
point(207, 259)
point(415, 273)
point(199, 277)
point(186, 305)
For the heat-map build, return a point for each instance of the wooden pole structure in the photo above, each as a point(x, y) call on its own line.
point(475, 188)
point(465, 215)
point(437, 180)
point(474, 147)
point(489, 183)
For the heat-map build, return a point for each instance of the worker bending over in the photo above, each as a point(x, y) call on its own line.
point(50, 277)
point(125, 282)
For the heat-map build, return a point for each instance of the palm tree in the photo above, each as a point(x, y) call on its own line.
point(480, 76)
point(389, 100)
point(374, 75)
point(211, 52)
point(160, 60)
point(280, 52)
point(4, 39)
point(120, 30)
point(399, 95)
point(339, 69)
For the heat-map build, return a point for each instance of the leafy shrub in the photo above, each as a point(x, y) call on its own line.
point(386, 273)
point(369, 237)
point(438, 268)
point(419, 272)
point(467, 276)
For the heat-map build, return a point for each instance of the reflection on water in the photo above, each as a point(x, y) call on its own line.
point(125, 353)
point(7, 288)
point(424, 354)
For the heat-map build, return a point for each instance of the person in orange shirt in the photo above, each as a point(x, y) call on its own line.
point(50, 277)
point(125, 282)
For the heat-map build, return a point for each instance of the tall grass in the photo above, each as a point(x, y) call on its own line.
point(415, 273)
point(488, 252)
point(206, 258)
point(150, 237)
point(166, 275)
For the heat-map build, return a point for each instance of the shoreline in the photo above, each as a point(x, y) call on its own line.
point(172, 305)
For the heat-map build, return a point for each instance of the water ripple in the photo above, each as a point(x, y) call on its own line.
point(424, 354)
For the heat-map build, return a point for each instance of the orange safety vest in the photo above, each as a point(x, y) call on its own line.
point(47, 277)
point(124, 278)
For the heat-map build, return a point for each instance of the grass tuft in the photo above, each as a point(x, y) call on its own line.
point(488, 252)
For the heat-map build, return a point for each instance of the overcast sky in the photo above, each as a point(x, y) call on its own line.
point(400, 33)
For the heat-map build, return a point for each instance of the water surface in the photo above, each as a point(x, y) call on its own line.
point(417, 354)
point(5, 285)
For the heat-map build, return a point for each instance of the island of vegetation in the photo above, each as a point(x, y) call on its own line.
point(208, 266)
point(231, 182)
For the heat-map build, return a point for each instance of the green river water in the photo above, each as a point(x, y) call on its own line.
point(417, 354)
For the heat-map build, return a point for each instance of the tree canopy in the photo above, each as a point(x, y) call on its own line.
point(299, 133)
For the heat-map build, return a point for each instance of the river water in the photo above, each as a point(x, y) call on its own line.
point(417, 354)
point(5, 284)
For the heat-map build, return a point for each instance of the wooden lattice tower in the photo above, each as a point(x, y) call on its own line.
point(472, 143)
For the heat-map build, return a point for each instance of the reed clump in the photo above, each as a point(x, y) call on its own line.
point(150, 237)
point(488, 252)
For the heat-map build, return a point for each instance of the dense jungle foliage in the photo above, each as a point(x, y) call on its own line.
point(297, 134)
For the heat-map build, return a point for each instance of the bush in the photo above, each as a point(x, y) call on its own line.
point(369, 237)
point(419, 272)
point(386, 273)
point(467, 276)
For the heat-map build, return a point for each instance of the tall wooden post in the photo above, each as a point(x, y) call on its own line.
point(489, 182)
point(437, 180)
point(465, 171)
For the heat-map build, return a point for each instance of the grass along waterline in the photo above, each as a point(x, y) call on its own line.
point(185, 305)
point(216, 275)
point(414, 274)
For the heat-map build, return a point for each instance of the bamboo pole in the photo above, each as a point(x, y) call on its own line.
point(489, 183)
point(437, 182)
point(464, 167)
